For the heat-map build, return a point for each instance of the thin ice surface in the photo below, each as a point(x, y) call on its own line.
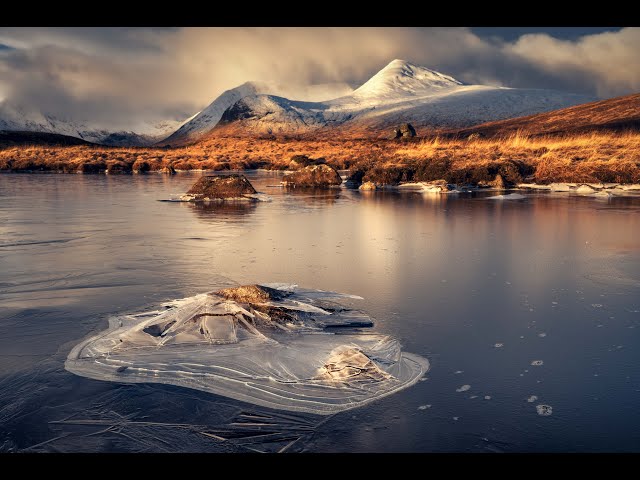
point(273, 345)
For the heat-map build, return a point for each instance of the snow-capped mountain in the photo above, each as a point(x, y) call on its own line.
point(15, 118)
point(400, 92)
point(204, 121)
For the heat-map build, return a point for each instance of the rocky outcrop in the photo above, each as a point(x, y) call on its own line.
point(405, 130)
point(316, 176)
point(221, 187)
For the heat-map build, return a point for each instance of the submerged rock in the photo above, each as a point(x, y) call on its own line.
point(221, 187)
point(317, 176)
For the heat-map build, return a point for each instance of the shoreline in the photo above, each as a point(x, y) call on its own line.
point(592, 159)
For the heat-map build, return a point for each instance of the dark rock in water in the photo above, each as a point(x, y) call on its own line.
point(318, 176)
point(169, 170)
point(90, 168)
point(252, 294)
point(220, 187)
point(354, 179)
point(405, 130)
point(117, 167)
point(140, 167)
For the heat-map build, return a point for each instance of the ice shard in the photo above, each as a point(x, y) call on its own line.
point(273, 345)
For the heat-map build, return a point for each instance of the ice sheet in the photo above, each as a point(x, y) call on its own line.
point(273, 345)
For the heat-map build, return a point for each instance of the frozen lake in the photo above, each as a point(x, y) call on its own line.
point(528, 311)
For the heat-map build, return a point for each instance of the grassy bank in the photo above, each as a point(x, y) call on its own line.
point(596, 157)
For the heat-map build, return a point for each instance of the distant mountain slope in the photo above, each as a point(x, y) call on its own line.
point(11, 138)
point(400, 92)
point(620, 113)
point(15, 118)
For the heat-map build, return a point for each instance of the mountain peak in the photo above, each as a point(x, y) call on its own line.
point(401, 77)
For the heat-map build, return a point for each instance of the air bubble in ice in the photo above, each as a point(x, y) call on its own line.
point(537, 363)
point(544, 410)
point(424, 407)
point(532, 399)
point(499, 345)
point(463, 388)
point(542, 335)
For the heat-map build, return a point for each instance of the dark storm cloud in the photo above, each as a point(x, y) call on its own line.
point(121, 75)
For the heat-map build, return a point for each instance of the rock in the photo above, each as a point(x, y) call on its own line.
point(368, 186)
point(252, 294)
point(117, 167)
point(354, 179)
point(169, 170)
point(318, 176)
point(498, 183)
point(220, 187)
point(140, 166)
point(474, 136)
point(405, 130)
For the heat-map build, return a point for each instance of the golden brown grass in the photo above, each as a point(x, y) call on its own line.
point(609, 157)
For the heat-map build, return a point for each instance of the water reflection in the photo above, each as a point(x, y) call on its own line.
point(223, 210)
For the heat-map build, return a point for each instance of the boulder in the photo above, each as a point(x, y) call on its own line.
point(169, 170)
point(221, 187)
point(354, 179)
point(405, 130)
point(368, 186)
point(317, 176)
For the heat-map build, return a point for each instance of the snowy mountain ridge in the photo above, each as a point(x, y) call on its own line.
point(400, 92)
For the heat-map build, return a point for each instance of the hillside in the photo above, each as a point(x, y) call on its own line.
point(615, 114)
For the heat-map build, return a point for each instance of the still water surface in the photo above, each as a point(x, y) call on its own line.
point(482, 288)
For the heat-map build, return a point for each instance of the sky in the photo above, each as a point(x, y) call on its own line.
point(119, 76)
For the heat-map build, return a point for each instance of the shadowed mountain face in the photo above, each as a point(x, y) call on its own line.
point(617, 114)
point(9, 138)
point(400, 92)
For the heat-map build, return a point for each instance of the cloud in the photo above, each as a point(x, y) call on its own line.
point(119, 76)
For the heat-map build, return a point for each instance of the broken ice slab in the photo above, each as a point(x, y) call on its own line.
point(273, 345)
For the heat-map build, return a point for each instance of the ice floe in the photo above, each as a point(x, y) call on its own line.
point(274, 345)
